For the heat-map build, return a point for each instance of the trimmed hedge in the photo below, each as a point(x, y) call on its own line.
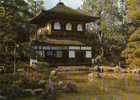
point(135, 36)
point(9, 88)
point(137, 53)
point(135, 44)
point(132, 53)
point(136, 61)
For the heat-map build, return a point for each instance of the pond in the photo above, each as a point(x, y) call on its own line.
point(111, 87)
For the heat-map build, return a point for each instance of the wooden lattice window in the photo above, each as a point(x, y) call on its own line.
point(79, 27)
point(68, 26)
point(57, 26)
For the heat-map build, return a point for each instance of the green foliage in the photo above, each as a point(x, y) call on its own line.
point(15, 26)
point(30, 84)
point(8, 87)
point(25, 51)
point(110, 31)
point(16, 29)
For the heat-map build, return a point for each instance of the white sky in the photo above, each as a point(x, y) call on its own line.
point(71, 3)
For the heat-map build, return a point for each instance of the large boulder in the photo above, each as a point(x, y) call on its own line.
point(37, 91)
point(61, 85)
point(71, 87)
point(3, 98)
point(28, 92)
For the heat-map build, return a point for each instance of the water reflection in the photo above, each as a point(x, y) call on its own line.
point(118, 87)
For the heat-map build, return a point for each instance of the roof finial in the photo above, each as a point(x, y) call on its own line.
point(60, 2)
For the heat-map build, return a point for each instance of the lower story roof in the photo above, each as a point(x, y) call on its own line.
point(51, 41)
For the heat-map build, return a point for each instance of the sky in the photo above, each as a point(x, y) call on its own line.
point(71, 3)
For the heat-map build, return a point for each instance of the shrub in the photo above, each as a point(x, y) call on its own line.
point(9, 88)
point(30, 84)
point(43, 66)
point(136, 61)
point(8, 69)
point(71, 87)
point(12, 91)
point(135, 36)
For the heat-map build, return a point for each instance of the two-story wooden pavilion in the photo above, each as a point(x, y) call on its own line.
point(59, 35)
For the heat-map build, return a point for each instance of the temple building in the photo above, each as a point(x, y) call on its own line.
point(59, 34)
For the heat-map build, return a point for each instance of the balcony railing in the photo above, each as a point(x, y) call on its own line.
point(67, 35)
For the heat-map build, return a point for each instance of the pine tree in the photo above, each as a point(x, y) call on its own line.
point(15, 28)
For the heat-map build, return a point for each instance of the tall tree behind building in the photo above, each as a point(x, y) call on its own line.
point(15, 27)
point(109, 28)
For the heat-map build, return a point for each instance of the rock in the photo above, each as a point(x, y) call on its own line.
point(71, 87)
point(2, 97)
point(42, 82)
point(28, 91)
point(20, 70)
point(33, 92)
point(37, 91)
point(61, 85)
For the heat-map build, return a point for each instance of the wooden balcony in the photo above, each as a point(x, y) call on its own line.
point(67, 35)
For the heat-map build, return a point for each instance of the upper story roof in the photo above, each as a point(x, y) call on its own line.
point(62, 12)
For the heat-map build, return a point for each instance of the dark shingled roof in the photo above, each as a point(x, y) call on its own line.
point(51, 41)
point(64, 42)
point(62, 12)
